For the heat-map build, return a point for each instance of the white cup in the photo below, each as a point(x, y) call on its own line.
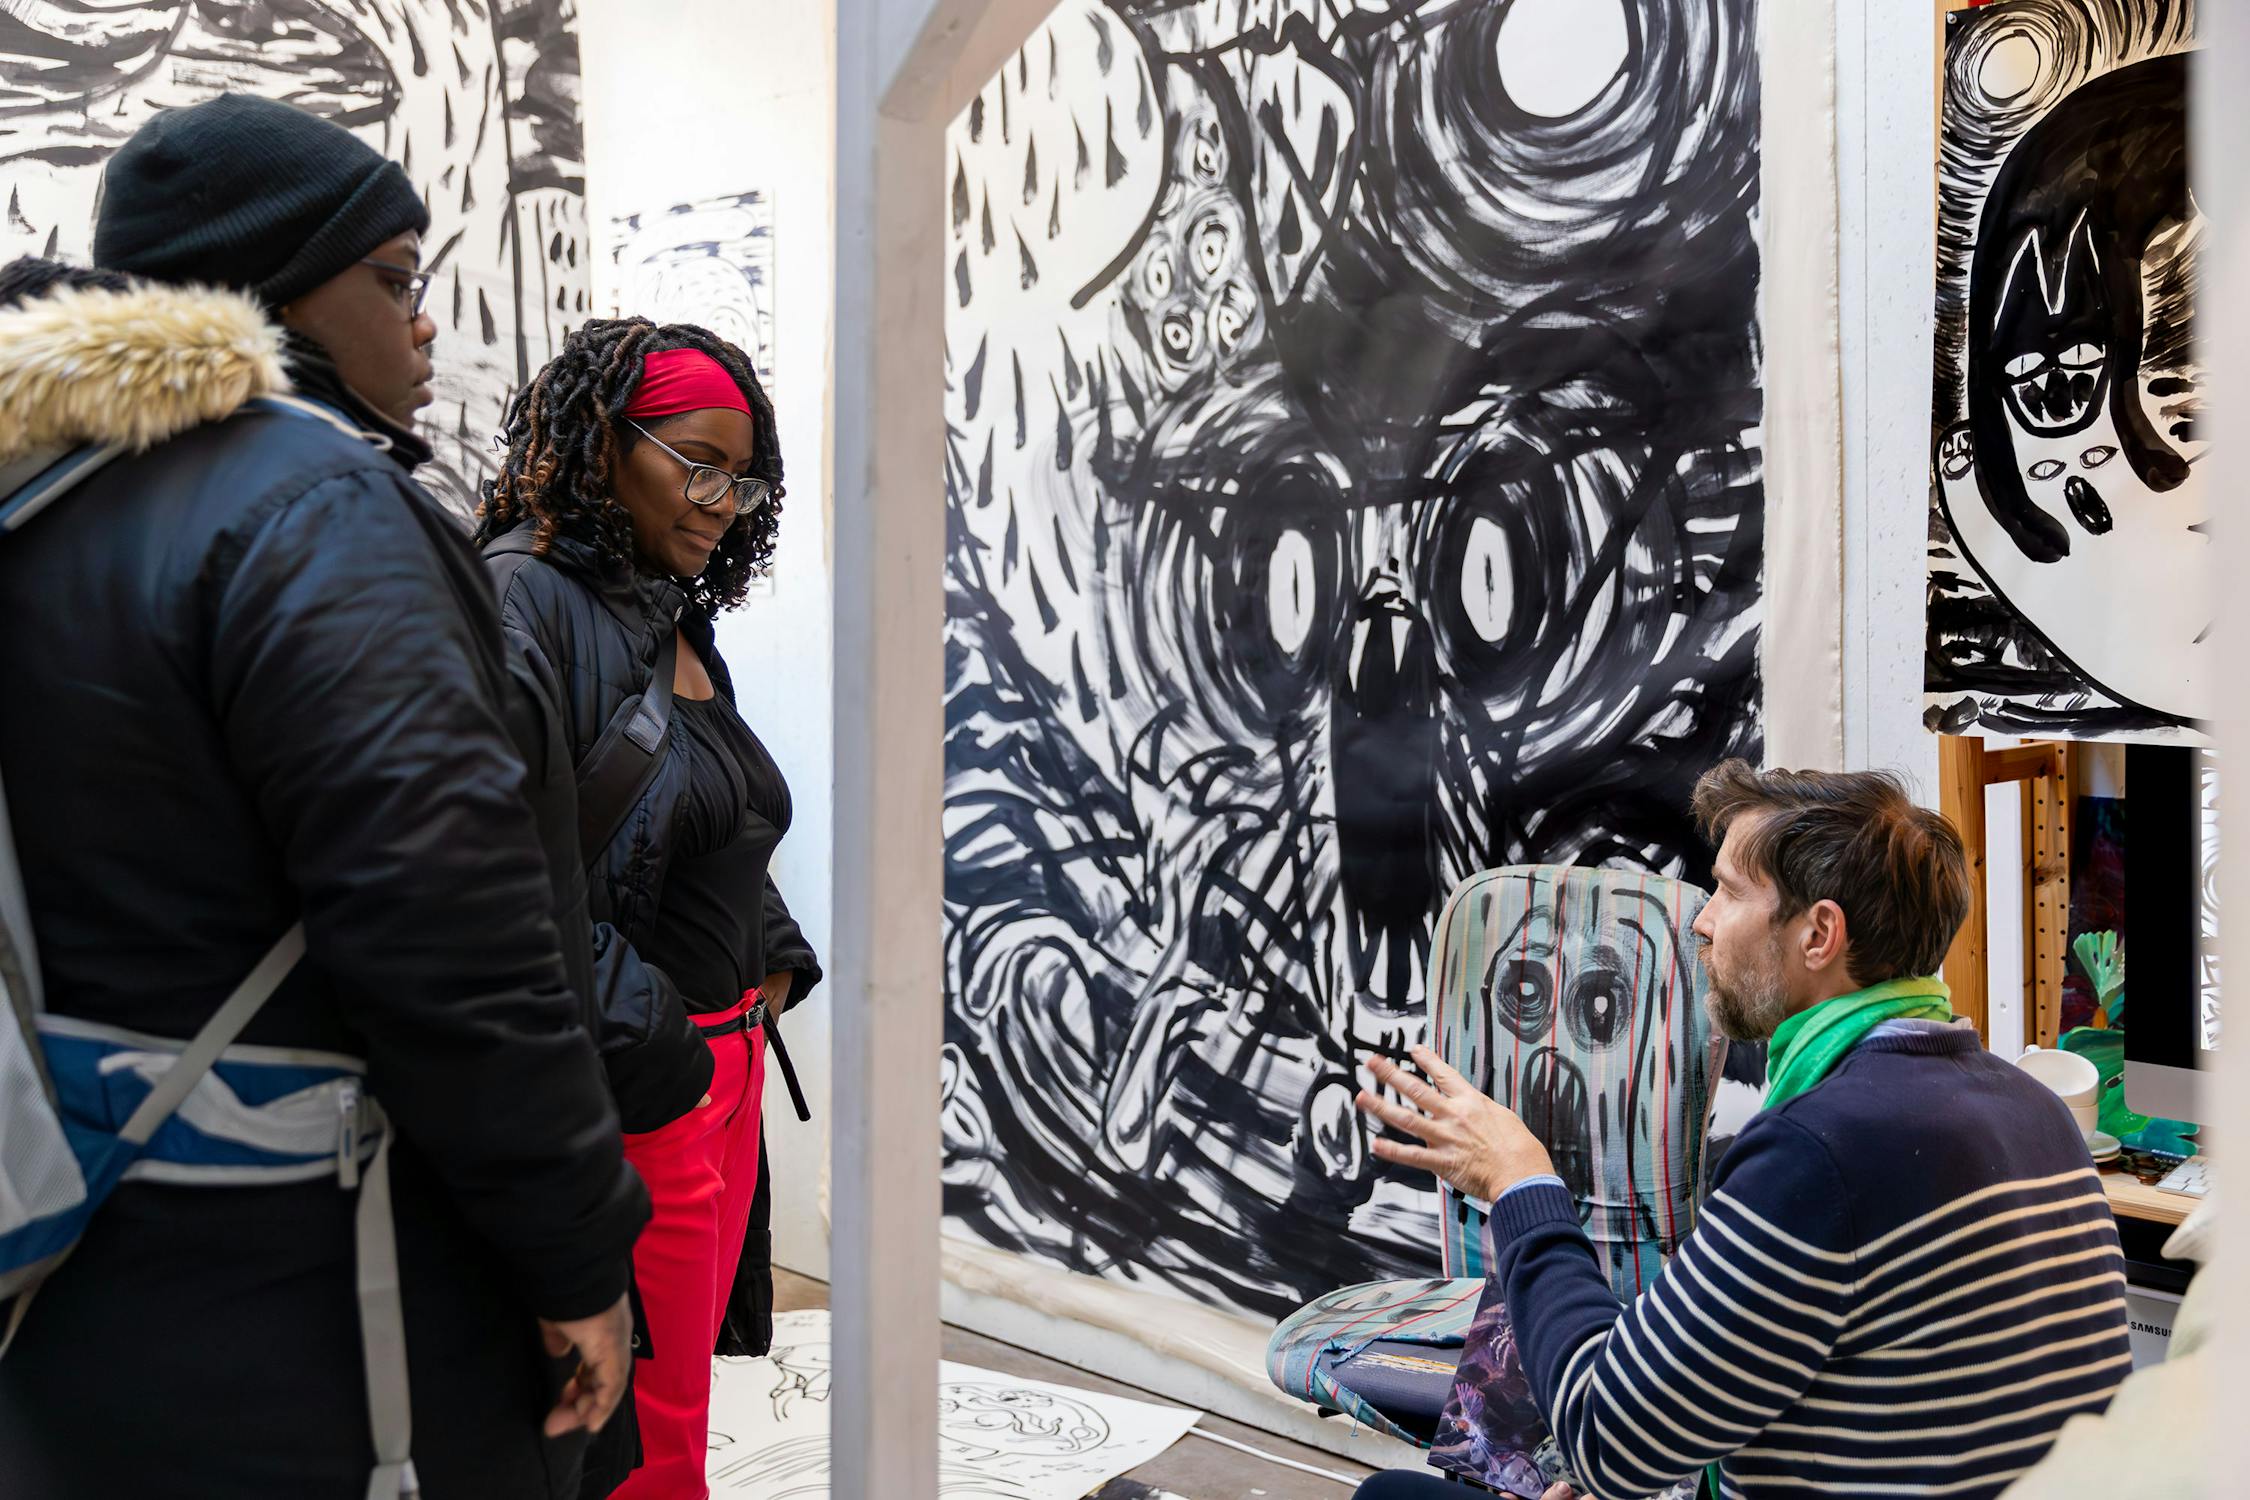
point(2073, 1079)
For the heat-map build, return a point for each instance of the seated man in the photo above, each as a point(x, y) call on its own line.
point(1906, 1278)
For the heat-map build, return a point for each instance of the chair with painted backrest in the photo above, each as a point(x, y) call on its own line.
point(1574, 997)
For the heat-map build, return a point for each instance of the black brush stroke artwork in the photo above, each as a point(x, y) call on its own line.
point(479, 101)
point(1390, 508)
point(2067, 391)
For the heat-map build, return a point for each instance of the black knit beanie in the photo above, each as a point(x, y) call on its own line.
point(249, 193)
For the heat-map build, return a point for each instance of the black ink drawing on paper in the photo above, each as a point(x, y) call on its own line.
point(1354, 482)
point(2071, 586)
point(999, 1437)
point(479, 101)
point(709, 262)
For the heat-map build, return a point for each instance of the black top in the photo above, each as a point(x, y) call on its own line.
point(710, 924)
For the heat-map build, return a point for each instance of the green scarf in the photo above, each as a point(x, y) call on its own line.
point(1811, 1042)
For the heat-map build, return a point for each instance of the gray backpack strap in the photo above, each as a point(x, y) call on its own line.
point(217, 1035)
point(382, 1328)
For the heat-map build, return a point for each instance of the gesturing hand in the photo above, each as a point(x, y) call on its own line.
point(1471, 1142)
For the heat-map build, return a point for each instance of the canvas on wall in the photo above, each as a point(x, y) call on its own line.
point(1354, 481)
point(479, 102)
point(2072, 589)
point(709, 262)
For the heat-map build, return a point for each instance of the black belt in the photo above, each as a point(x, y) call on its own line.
point(755, 1017)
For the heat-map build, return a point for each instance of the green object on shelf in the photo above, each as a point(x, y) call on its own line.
point(2104, 962)
point(2105, 1049)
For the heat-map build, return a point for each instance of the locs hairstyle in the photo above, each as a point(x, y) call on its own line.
point(565, 430)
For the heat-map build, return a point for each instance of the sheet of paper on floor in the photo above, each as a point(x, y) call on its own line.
point(1000, 1437)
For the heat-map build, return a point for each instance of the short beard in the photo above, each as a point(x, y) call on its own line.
point(1749, 1007)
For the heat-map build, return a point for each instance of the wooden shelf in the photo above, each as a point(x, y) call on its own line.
point(2131, 1198)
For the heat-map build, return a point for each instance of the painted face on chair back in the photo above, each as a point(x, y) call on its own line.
point(671, 534)
point(366, 319)
point(1748, 947)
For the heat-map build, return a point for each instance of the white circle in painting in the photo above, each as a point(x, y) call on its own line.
point(1556, 56)
point(1290, 591)
point(2010, 68)
point(1487, 587)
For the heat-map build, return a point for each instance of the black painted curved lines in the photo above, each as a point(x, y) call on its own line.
point(1400, 440)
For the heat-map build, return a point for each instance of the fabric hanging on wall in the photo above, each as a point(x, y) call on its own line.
point(2072, 587)
point(1358, 474)
point(480, 103)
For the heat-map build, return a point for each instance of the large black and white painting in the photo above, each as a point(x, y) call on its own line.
point(2071, 586)
point(1354, 480)
point(478, 98)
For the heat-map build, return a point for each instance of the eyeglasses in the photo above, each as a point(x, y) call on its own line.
point(707, 485)
point(411, 292)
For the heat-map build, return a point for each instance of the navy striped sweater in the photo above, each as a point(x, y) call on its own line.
point(1904, 1282)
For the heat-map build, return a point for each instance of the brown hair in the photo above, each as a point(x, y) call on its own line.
point(1857, 839)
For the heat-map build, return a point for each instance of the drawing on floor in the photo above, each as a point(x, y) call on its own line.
point(2071, 585)
point(479, 102)
point(1353, 475)
point(709, 262)
point(999, 1437)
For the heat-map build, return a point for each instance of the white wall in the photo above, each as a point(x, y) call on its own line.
point(1886, 142)
point(689, 99)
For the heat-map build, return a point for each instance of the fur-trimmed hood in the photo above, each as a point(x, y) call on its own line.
point(84, 365)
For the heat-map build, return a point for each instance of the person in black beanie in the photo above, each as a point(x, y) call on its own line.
point(323, 230)
point(267, 687)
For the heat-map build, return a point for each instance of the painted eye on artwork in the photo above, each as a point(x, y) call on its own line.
point(1209, 162)
point(2022, 365)
point(1212, 241)
point(1231, 315)
point(1957, 452)
point(2045, 469)
point(1487, 585)
point(1524, 991)
point(2081, 356)
point(2096, 456)
point(1600, 1001)
point(1178, 334)
point(1156, 276)
point(1292, 591)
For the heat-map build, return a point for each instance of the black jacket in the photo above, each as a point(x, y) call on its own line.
point(590, 635)
point(252, 676)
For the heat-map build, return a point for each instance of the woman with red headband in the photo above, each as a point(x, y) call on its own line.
point(639, 497)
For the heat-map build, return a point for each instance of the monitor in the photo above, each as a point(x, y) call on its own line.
point(2171, 914)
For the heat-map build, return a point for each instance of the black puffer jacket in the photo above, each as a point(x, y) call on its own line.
point(252, 676)
point(592, 634)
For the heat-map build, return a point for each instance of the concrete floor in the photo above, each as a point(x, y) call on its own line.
point(1192, 1469)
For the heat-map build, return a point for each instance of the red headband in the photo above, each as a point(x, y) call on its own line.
point(677, 380)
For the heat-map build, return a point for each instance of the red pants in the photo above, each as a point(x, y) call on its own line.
point(701, 1171)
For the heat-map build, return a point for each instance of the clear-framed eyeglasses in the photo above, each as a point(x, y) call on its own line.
point(409, 286)
point(707, 484)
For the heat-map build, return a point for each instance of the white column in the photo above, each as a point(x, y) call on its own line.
point(2222, 187)
point(1886, 146)
point(905, 68)
point(889, 530)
